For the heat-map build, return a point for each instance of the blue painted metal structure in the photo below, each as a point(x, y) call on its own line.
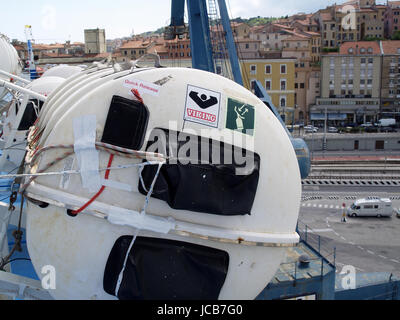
point(32, 66)
point(370, 286)
point(230, 42)
point(201, 46)
point(299, 145)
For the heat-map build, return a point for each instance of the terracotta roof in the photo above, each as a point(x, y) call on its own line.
point(56, 55)
point(297, 37)
point(391, 46)
point(19, 47)
point(246, 40)
point(159, 48)
point(135, 44)
point(281, 26)
point(358, 45)
point(394, 4)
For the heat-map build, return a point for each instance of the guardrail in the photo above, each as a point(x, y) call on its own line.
point(316, 242)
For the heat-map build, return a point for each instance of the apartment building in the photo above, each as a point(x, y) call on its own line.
point(301, 46)
point(277, 77)
point(353, 20)
point(350, 84)
point(248, 48)
point(271, 36)
point(390, 83)
point(392, 18)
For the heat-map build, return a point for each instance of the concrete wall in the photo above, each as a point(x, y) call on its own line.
point(347, 142)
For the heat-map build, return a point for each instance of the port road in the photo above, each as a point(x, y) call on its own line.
point(369, 244)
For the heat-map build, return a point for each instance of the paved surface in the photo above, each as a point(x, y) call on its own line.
point(365, 158)
point(369, 244)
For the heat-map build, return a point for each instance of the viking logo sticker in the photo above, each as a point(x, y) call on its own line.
point(203, 101)
point(203, 106)
point(240, 117)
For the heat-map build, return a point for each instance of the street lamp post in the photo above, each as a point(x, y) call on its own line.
point(325, 129)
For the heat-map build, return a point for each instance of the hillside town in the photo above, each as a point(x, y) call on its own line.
point(340, 64)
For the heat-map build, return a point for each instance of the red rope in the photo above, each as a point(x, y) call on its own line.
point(75, 213)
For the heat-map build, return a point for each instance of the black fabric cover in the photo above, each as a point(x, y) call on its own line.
point(160, 269)
point(29, 117)
point(126, 123)
point(207, 188)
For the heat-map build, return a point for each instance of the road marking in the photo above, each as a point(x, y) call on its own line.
point(395, 261)
point(343, 238)
point(370, 252)
point(383, 257)
point(361, 248)
point(352, 243)
point(318, 230)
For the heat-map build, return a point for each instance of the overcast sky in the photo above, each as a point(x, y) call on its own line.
point(58, 21)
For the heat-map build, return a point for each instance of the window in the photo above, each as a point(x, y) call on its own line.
point(283, 68)
point(268, 84)
point(253, 69)
point(268, 69)
point(282, 101)
point(363, 60)
point(283, 84)
point(301, 85)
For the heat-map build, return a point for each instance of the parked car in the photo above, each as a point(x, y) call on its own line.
point(371, 207)
point(367, 124)
point(333, 130)
point(310, 129)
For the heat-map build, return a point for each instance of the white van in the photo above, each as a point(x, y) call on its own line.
point(371, 207)
point(386, 122)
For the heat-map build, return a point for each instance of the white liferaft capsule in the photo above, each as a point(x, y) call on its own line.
point(165, 183)
point(43, 86)
point(9, 60)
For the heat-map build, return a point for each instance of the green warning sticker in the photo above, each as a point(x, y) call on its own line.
point(240, 117)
